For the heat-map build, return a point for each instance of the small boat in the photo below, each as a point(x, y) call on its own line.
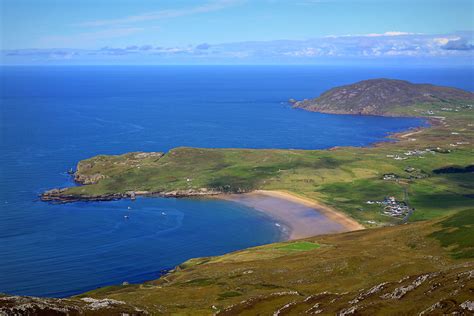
point(129, 208)
point(163, 213)
point(126, 217)
point(70, 171)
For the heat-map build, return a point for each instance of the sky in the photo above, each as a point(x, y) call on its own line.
point(236, 31)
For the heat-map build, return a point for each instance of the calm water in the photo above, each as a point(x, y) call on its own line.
point(51, 117)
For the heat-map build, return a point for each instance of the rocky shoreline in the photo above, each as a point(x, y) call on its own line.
point(60, 196)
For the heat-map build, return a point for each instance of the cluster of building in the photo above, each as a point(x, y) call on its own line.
point(390, 177)
point(457, 108)
point(394, 208)
point(421, 152)
point(458, 144)
point(449, 109)
point(396, 157)
point(416, 152)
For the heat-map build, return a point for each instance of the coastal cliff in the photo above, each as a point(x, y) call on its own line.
point(380, 97)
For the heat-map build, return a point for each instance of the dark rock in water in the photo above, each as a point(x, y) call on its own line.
point(378, 96)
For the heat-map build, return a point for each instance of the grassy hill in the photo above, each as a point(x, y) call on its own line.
point(379, 96)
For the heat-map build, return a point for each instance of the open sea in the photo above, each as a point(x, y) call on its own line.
point(52, 117)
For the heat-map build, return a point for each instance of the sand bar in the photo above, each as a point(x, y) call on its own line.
point(302, 216)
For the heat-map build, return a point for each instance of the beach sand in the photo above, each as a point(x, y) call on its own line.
point(302, 216)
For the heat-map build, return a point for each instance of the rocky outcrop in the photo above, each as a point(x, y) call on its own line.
point(64, 196)
point(91, 171)
point(447, 289)
point(88, 179)
point(26, 305)
point(83, 173)
point(378, 96)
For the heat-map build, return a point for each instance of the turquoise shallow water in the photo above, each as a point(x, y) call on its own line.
point(52, 117)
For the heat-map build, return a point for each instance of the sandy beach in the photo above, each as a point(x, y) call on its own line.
point(302, 217)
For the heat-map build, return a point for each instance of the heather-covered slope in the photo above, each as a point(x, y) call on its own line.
point(400, 270)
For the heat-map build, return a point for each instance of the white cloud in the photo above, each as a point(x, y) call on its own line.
point(445, 40)
point(392, 33)
point(386, 34)
point(394, 45)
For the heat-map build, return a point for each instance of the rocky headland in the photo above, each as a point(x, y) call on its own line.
point(379, 97)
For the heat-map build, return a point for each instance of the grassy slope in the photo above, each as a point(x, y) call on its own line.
point(267, 278)
point(344, 178)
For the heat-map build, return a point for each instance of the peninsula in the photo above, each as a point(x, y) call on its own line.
point(342, 178)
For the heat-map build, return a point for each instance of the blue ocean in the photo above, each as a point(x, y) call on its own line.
point(52, 117)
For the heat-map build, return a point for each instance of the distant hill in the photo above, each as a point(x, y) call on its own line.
point(378, 96)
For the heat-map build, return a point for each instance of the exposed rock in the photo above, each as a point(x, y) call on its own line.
point(88, 179)
point(34, 306)
point(91, 171)
point(399, 292)
point(468, 305)
point(144, 155)
point(63, 196)
point(95, 304)
point(348, 311)
point(377, 288)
